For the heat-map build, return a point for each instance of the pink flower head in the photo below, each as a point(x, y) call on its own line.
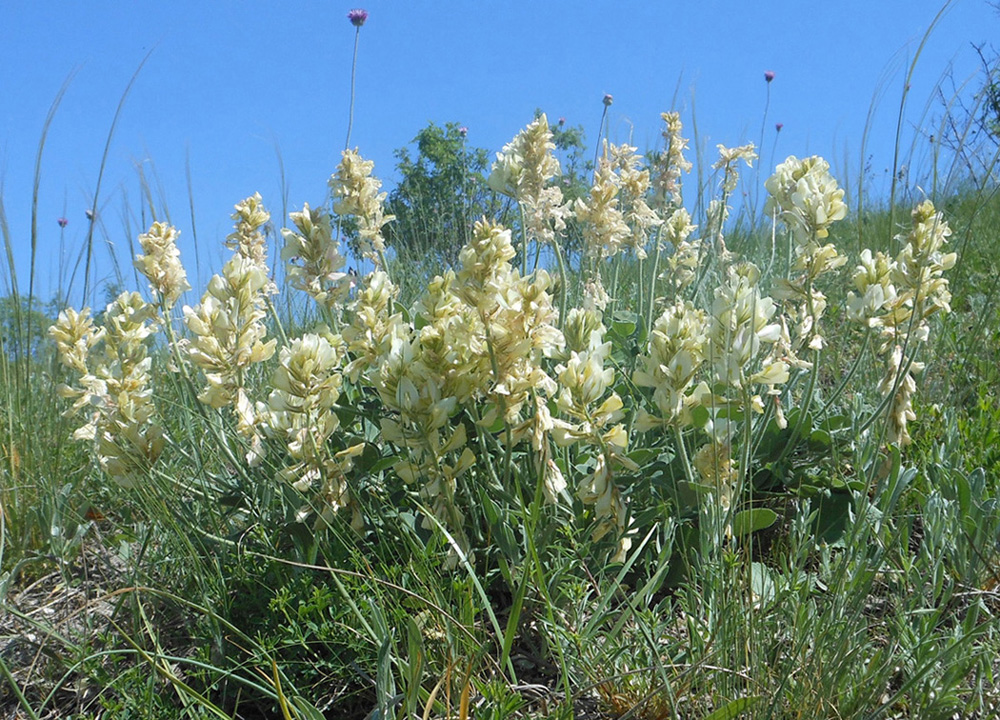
point(63, 222)
point(562, 121)
point(357, 16)
point(778, 126)
point(769, 75)
point(608, 99)
point(463, 131)
point(89, 214)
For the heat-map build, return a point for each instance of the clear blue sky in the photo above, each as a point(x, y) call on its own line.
point(230, 84)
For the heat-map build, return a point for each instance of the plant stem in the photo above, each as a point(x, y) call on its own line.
point(354, 68)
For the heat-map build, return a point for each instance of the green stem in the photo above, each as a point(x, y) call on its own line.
point(563, 282)
point(354, 67)
point(850, 374)
point(652, 285)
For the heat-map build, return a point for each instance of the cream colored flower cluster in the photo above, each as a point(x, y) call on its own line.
point(635, 187)
point(247, 238)
point(670, 164)
point(483, 333)
point(161, 264)
point(299, 412)
point(685, 258)
point(604, 226)
point(523, 171)
point(519, 321)
point(746, 344)
point(807, 200)
point(227, 327)
point(114, 391)
point(677, 350)
point(356, 192)
point(897, 297)
point(593, 419)
point(718, 209)
point(313, 260)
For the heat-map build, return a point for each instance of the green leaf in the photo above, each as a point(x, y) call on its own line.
point(415, 662)
point(835, 422)
point(735, 708)
point(832, 514)
point(700, 416)
point(642, 456)
point(624, 323)
point(308, 710)
point(750, 521)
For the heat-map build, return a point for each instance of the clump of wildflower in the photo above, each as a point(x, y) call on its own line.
point(805, 197)
point(873, 279)
point(808, 201)
point(518, 319)
point(161, 263)
point(675, 354)
point(314, 262)
point(300, 412)
point(227, 330)
point(741, 328)
point(685, 256)
point(604, 226)
point(605, 231)
point(423, 378)
point(523, 171)
point(593, 419)
point(114, 389)
point(635, 184)
point(666, 181)
point(718, 209)
point(75, 336)
point(898, 297)
point(373, 327)
point(356, 192)
point(247, 238)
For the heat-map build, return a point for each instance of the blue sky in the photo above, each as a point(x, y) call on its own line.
point(231, 84)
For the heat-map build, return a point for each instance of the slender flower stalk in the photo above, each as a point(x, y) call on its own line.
point(357, 18)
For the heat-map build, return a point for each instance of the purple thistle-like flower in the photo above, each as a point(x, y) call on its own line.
point(89, 214)
point(769, 75)
point(357, 16)
point(608, 99)
point(463, 131)
point(63, 222)
point(562, 121)
point(778, 126)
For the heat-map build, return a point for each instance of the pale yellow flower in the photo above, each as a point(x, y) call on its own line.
point(161, 263)
point(356, 192)
point(670, 164)
point(675, 354)
point(314, 262)
point(806, 197)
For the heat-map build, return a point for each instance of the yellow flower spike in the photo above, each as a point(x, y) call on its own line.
point(161, 263)
point(356, 192)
